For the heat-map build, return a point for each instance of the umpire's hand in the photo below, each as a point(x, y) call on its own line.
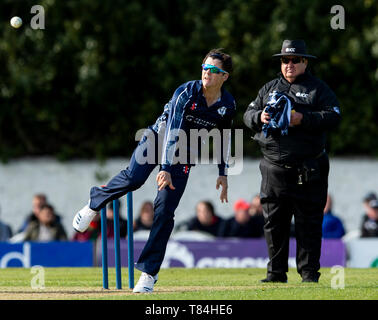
point(222, 181)
point(265, 117)
point(164, 179)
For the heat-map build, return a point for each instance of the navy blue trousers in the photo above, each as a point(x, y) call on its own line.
point(165, 204)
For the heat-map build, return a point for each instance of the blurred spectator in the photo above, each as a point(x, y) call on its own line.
point(368, 197)
point(45, 227)
point(205, 220)
point(366, 201)
point(110, 221)
point(256, 213)
point(5, 231)
point(145, 217)
point(38, 201)
point(369, 225)
point(332, 225)
point(242, 224)
point(255, 206)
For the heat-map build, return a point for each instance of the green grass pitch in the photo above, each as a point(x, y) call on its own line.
point(186, 284)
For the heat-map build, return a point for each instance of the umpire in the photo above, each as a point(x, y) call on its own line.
point(295, 165)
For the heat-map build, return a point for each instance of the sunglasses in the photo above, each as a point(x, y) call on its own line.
point(213, 69)
point(294, 60)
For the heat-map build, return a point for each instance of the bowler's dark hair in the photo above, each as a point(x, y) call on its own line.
point(221, 56)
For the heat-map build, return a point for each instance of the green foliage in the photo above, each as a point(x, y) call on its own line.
point(101, 70)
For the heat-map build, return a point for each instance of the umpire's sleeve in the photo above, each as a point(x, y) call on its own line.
point(328, 116)
point(252, 115)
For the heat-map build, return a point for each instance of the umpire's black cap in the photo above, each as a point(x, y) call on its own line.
point(294, 48)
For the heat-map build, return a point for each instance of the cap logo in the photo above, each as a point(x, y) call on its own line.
point(290, 50)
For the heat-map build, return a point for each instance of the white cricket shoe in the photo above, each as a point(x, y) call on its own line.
point(83, 218)
point(145, 283)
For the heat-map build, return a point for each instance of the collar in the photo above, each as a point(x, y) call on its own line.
point(202, 95)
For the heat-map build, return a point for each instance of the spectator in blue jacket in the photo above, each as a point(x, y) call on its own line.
point(5, 231)
point(332, 225)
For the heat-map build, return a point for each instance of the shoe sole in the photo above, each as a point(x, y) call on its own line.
point(146, 291)
point(273, 281)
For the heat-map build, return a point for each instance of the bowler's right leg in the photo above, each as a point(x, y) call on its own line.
point(130, 179)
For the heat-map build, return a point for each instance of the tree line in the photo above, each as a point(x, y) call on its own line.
point(101, 70)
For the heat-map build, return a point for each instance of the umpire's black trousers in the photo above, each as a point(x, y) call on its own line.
point(283, 195)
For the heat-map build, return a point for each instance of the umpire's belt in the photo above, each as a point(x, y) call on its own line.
point(295, 165)
point(307, 171)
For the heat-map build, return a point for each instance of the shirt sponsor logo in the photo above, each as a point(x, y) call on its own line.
point(200, 122)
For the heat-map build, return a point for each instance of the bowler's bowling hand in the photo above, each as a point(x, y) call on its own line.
point(222, 181)
point(164, 179)
point(265, 117)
